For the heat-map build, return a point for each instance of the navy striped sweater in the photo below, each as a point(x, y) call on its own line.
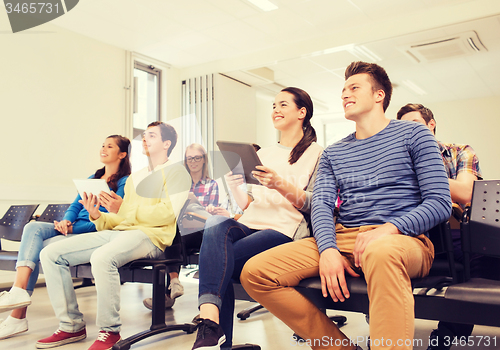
point(396, 176)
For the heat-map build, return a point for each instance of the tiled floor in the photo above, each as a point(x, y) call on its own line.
point(261, 328)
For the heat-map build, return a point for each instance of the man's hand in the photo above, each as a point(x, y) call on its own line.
point(331, 271)
point(64, 227)
point(91, 203)
point(111, 202)
point(364, 238)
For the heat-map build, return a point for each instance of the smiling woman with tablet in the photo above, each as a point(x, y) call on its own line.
point(273, 215)
point(114, 154)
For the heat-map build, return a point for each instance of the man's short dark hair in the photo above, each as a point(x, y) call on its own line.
point(425, 112)
point(379, 77)
point(168, 133)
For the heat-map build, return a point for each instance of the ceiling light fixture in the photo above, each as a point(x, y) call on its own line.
point(413, 87)
point(264, 5)
point(359, 51)
point(372, 56)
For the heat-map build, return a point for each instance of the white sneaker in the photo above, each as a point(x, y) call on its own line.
point(176, 288)
point(12, 326)
point(14, 299)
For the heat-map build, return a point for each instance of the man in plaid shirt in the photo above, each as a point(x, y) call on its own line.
point(462, 165)
point(460, 161)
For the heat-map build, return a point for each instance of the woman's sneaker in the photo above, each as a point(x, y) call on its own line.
point(209, 337)
point(14, 299)
point(12, 326)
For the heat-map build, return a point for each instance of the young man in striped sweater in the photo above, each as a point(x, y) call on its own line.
point(393, 186)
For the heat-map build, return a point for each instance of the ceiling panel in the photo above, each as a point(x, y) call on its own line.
point(453, 73)
point(283, 25)
point(240, 35)
point(375, 10)
point(319, 12)
point(297, 67)
point(487, 70)
point(193, 32)
point(334, 60)
point(239, 9)
point(213, 50)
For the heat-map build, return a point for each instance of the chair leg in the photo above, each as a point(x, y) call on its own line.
point(86, 282)
point(158, 324)
point(244, 314)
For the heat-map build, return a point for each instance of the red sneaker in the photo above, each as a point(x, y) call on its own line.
point(60, 338)
point(105, 340)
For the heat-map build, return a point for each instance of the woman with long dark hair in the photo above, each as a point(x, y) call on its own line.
point(114, 154)
point(273, 215)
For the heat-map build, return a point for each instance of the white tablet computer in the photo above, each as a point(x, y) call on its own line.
point(94, 186)
point(241, 158)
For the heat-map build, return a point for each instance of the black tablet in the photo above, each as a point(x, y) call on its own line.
point(241, 158)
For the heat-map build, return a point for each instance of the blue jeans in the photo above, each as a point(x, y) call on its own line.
point(106, 251)
point(36, 235)
point(226, 247)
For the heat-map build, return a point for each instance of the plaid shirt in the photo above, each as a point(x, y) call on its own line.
point(206, 191)
point(459, 158)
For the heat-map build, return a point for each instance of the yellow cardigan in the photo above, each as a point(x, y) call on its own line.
point(152, 205)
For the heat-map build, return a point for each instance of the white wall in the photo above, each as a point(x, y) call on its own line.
point(475, 122)
point(234, 111)
point(267, 135)
point(61, 95)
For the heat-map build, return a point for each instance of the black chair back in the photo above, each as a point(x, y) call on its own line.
point(481, 231)
point(53, 212)
point(485, 218)
point(12, 223)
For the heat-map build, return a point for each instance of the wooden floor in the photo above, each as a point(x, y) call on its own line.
point(261, 328)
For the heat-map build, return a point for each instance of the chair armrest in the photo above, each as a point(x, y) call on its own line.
point(193, 216)
point(457, 211)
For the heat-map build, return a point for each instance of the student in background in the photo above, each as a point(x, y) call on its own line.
point(391, 179)
point(143, 227)
point(462, 166)
point(206, 192)
point(273, 215)
point(203, 187)
point(114, 154)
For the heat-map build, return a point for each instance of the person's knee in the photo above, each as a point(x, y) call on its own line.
point(213, 228)
point(380, 252)
point(48, 255)
point(215, 220)
point(247, 274)
point(251, 275)
point(31, 229)
point(101, 260)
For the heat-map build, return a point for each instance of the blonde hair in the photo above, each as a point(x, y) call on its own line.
point(201, 149)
